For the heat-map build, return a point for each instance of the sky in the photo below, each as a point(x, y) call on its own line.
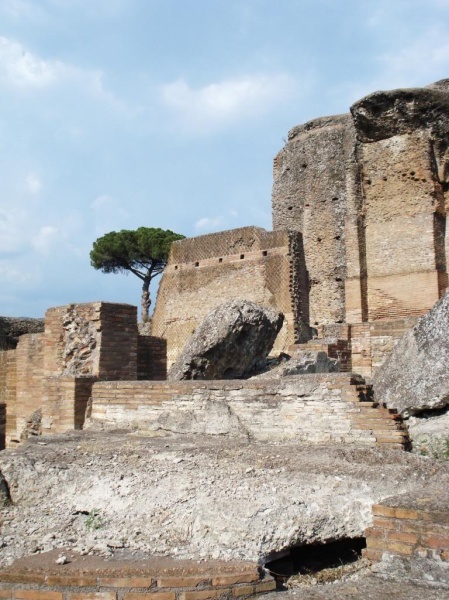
point(117, 114)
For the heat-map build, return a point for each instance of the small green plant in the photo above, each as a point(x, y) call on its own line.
point(93, 520)
point(446, 449)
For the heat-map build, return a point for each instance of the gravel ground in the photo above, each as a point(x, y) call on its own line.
point(368, 588)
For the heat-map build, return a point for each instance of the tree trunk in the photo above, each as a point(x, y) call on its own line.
point(146, 301)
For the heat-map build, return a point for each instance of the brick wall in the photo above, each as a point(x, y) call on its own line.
point(72, 336)
point(97, 339)
point(314, 409)
point(118, 346)
point(10, 392)
point(52, 373)
point(247, 263)
point(372, 343)
point(2, 425)
point(151, 358)
point(3, 374)
point(29, 375)
point(410, 535)
point(369, 200)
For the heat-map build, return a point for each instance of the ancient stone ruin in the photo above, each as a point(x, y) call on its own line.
point(117, 483)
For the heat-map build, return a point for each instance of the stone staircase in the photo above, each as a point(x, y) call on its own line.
point(385, 423)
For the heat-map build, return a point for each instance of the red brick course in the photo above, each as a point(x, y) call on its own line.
point(242, 582)
point(407, 532)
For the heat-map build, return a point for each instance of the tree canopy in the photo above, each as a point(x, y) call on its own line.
point(143, 251)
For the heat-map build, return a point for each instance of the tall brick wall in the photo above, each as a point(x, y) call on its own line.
point(118, 350)
point(403, 202)
point(367, 192)
point(309, 195)
point(247, 263)
point(151, 358)
point(97, 339)
point(10, 391)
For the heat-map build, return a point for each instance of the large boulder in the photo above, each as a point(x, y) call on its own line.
point(231, 342)
point(415, 377)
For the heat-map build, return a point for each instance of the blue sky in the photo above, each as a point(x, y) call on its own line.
point(116, 114)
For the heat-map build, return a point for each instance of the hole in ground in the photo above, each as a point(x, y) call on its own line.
point(316, 563)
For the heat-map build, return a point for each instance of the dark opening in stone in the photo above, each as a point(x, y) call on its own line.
point(317, 563)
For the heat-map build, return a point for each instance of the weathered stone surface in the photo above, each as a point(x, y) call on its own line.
point(5, 498)
point(11, 328)
point(231, 341)
point(385, 114)
point(429, 433)
point(195, 496)
point(303, 409)
point(303, 362)
point(415, 377)
point(367, 192)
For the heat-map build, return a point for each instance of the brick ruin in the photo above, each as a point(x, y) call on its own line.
point(249, 263)
point(46, 382)
point(357, 254)
point(366, 196)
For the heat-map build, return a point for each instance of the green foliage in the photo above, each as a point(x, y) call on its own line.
point(436, 448)
point(93, 520)
point(139, 251)
point(143, 252)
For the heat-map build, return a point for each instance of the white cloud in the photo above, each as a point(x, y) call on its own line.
point(16, 275)
point(222, 102)
point(21, 68)
point(33, 183)
point(420, 63)
point(18, 8)
point(425, 59)
point(12, 231)
point(44, 241)
point(209, 224)
point(110, 214)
